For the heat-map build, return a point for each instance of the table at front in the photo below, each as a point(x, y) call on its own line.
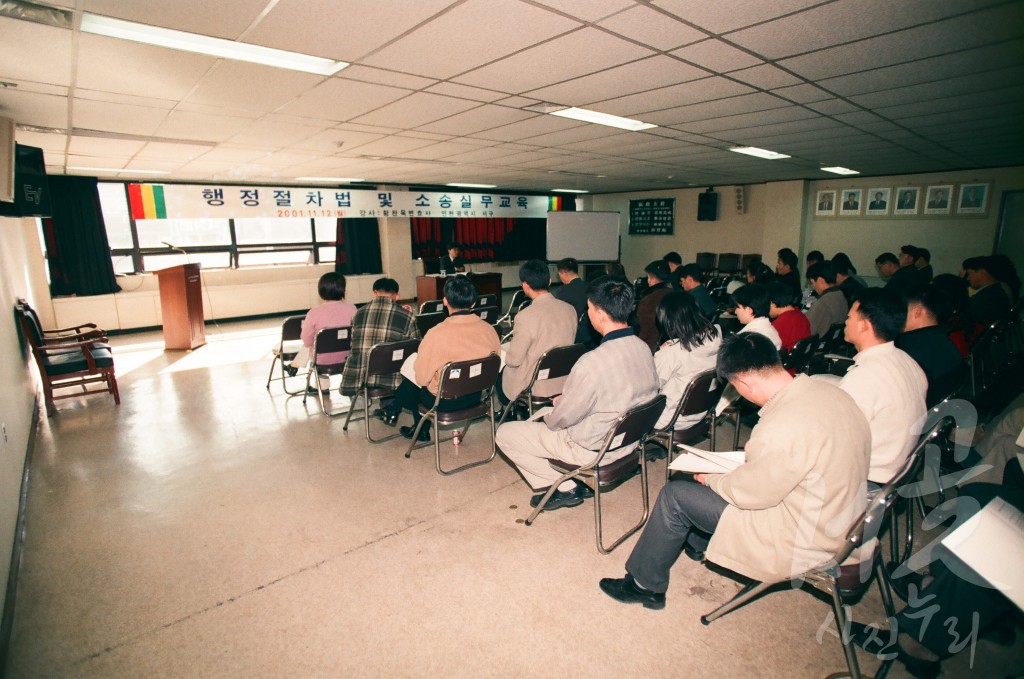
point(432, 287)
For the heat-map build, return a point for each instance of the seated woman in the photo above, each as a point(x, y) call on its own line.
point(752, 308)
point(689, 346)
point(787, 319)
point(333, 313)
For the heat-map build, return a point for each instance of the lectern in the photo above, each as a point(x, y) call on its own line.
point(181, 303)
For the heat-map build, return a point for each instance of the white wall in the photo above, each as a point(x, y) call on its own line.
point(19, 255)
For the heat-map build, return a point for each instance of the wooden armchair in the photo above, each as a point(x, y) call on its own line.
point(77, 357)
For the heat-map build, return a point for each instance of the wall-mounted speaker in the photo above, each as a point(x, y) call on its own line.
point(707, 206)
point(741, 199)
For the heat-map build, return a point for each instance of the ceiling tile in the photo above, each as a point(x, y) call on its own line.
point(727, 15)
point(465, 92)
point(716, 56)
point(34, 52)
point(142, 70)
point(388, 146)
point(415, 110)
point(638, 76)
point(477, 119)
point(186, 125)
point(746, 103)
point(766, 76)
point(95, 115)
point(651, 27)
point(706, 89)
point(339, 99)
point(380, 76)
point(251, 87)
point(588, 10)
point(221, 19)
point(273, 134)
point(585, 51)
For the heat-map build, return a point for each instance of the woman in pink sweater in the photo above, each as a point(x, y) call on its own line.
point(333, 313)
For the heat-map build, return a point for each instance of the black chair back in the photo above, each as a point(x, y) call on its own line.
point(387, 358)
point(707, 261)
point(329, 341)
point(427, 321)
point(728, 262)
point(461, 378)
point(488, 299)
point(488, 314)
point(432, 306)
point(558, 362)
point(291, 329)
point(701, 395)
point(635, 423)
point(800, 355)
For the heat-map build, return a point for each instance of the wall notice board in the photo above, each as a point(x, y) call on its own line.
point(652, 216)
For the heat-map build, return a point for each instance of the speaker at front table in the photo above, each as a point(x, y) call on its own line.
point(707, 206)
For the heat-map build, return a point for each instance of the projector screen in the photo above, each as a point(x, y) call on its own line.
point(587, 236)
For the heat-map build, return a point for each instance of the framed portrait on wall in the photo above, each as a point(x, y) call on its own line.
point(973, 199)
point(878, 201)
point(907, 200)
point(938, 200)
point(851, 202)
point(826, 205)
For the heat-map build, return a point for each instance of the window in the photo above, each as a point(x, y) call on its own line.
point(151, 244)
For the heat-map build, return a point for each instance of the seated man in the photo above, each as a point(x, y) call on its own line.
point(752, 307)
point(782, 512)
point(462, 336)
point(675, 264)
point(900, 277)
point(886, 384)
point(989, 303)
point(646, 308)
point(574, 292)
point(691, 278)
point(547, 323)
point(787, 319)
point(928, 343)
point(604, 384)
point(831, 306)
point(786, 269)
point(453, 262)
point(382, 320)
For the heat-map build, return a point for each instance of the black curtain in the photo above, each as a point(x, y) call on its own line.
point(358, 249)
point(76, 240)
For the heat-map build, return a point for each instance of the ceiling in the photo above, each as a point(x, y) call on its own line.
point(440, 91)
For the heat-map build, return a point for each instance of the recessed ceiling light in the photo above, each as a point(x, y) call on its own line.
point(114, 169)
point(334, 180)
point(759, 153)
point(202, 44)
point(839, 170)
point(472, 186)
point(599, 118)
point(570, 191)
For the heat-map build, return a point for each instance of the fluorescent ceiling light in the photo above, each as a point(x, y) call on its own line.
point(473, 186)
point(759, 153)
point(201, 44)
point(336, 180)
point(603, 119)
point(839, 170)
point(114, 169)
point(570, 191)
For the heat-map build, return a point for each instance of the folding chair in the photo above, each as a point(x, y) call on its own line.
point(487, 299)
point(707, 261)
point(797, 358)
point(432, 306)
point(384, 359)
point(837, 578)
point(460, 378)
point(428, 320)
point(631, 428)
point(701, 396)
point(488, 314)
point(513, 308)
point(286, 349)
point(327, 341)
point(553, 364)
point(728, 263)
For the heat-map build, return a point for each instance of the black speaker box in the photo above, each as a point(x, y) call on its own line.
point(707, 207)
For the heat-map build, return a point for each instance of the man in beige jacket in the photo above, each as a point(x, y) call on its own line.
point(786, 509)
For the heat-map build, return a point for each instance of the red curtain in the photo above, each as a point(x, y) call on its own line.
point(481, 239)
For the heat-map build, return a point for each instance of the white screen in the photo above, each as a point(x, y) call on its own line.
point(587, 236)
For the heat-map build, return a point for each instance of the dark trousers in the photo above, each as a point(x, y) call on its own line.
point(948, 613)
point(686, 512)
point(409, 396)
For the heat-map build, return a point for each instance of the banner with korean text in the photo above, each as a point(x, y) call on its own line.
point(195, 201)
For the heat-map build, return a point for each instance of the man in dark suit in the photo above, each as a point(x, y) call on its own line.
point(851, 202)
point(574, 291)
point(825, 204)
point(878, 203)
point(938, 201)
point(453, 262)
point(971, 198)
point(907, 201)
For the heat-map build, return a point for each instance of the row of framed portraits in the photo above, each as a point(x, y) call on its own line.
point(936, 199)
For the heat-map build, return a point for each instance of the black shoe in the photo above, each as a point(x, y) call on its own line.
point(387, 417)
point(628, 592)
point(694, 554)
point(883, 644)
point(407, 433)
point(583, 489)
point(559, 499)
point(655, 451)
point(291, 370)
point(312, 391)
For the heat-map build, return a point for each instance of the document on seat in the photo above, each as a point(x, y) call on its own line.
point(991, 543)
point(697, 461)
point(408, 369)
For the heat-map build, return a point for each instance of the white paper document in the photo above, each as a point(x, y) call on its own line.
point(992, 543)
point(408, 370)
point(697, 461)
point(540, 413)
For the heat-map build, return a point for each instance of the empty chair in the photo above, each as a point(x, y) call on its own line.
point(799, 356)
point(631, 428)
point(384, 359)
point(327, 341)
point(747, 259)
point(427, 321)
point(432, 306)
point(459, 379)
point(285, 351)
point(728, 263)
point(708, 261)
point(836, 577)
point(553, 364)
point(68, 358)
point(488, 314)
point(487, 299)
point(701, 396)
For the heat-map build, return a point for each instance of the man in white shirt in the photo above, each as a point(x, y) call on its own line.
point(885, 382)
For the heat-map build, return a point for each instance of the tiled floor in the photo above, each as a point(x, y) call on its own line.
point(209, 528)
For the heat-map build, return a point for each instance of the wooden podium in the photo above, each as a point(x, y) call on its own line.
point(432, 287)
point(181, 303)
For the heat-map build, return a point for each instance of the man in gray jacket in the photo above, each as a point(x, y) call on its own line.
point(831, 306)
point(603, 385)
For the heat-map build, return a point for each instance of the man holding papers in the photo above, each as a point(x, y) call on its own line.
point(783, 511)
